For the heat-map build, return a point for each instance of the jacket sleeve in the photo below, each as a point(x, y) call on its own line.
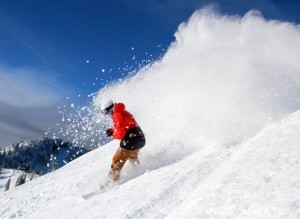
point(119, 130)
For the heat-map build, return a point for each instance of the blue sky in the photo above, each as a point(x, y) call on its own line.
point(50, 50)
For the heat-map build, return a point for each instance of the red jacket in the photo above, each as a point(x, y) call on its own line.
point(123, 121)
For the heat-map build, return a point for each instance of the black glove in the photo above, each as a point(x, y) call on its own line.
point(108, 132)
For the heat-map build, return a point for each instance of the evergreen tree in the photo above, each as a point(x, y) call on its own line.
point(32, 175)
point(21, 180)
point(53, 163)
point(7, 185)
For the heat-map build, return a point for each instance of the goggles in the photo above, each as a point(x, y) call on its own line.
point(105, 111)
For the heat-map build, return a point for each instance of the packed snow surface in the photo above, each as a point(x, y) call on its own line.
point(221, 115)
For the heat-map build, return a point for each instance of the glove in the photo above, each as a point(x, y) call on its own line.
point(108, 132)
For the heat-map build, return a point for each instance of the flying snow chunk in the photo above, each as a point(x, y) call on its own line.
point(103, 70)
point(87, 61)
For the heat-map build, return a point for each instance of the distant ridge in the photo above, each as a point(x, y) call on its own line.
point(40, 155)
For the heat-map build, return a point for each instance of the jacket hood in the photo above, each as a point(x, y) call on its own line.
point(119, 107)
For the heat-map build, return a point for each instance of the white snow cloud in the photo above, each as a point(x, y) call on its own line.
point(221, 81)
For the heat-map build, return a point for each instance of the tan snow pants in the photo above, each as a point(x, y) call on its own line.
point(119, 159)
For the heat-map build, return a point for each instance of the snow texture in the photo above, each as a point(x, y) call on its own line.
point(7, 174)
point(256, 179)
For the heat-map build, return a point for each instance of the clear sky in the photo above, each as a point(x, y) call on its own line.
point(55, 50)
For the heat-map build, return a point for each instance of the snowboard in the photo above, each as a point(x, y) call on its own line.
point(103, 188)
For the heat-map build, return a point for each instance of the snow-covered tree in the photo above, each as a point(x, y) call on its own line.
point(7, 185)
point(21, 180)
point(32, 175)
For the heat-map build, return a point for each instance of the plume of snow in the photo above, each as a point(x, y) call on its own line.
point(219, 83)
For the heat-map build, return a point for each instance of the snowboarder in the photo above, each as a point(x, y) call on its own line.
point(126, 129)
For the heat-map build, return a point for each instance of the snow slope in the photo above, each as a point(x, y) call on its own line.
point(220, 114)
point(259, 178)
point(7, 174)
